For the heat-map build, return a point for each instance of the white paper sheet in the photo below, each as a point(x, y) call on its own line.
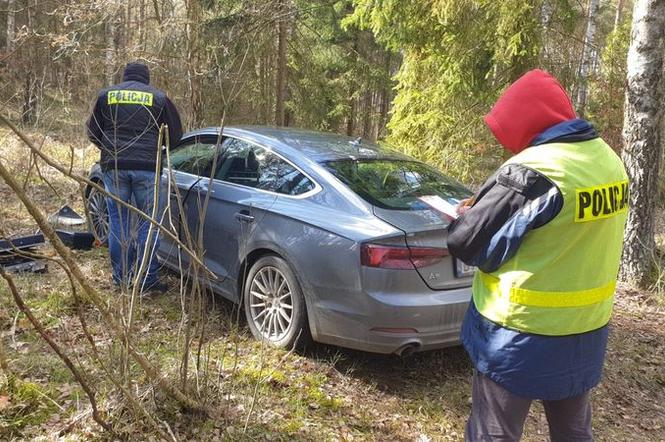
point(440, 205)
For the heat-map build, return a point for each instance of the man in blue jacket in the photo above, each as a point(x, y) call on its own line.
point(546, 233)
point(125, 125)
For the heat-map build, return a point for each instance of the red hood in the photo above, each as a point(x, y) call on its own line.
point(535, 102)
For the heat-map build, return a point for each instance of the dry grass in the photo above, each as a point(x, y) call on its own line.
point(324, 394)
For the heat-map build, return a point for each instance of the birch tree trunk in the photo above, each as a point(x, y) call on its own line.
point(10, 25)
point(589, 56)
point(546, 11)
point(618, 15)
point(641, 133)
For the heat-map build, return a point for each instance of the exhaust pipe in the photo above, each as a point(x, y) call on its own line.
point(408, 349)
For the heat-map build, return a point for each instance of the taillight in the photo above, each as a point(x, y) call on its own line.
point(426, 256)
point(400, 258)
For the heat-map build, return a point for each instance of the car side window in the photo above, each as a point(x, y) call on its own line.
point(253, 166)
point(195, 156)
point(239, 165)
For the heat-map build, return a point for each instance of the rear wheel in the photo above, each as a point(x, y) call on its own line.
point(274, 304)
point(98, 215)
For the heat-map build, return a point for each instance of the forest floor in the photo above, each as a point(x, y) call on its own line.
point(326, 393)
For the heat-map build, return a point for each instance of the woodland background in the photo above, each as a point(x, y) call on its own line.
point(419, 74)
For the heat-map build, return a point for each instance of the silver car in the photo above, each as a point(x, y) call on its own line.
point(319, 236)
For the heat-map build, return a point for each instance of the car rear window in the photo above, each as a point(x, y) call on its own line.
point(396, 184)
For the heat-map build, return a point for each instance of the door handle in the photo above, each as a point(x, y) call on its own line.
point(244, 216)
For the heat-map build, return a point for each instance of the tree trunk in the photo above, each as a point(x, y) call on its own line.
point(265, 87)
point(280, 86)
point(158, 17)
point(376, 108)
point(641, 133)
point(195, 98)
point(618, 14)
point(546, 11)
point(589, 56)
point(367, 114)
point(109, 65)
point(29, 91)
point(351, 119)
point(142, 25)
point(127, 28)
point(28, 113)
point(385, 97)
point(10, 25)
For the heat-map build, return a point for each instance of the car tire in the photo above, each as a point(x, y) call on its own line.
point(98, 215)
point(274, 304)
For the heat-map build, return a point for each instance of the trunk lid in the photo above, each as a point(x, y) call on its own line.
point(427, 228)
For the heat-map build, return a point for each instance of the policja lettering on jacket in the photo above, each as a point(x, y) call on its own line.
point(129, 97)
point(600, 202)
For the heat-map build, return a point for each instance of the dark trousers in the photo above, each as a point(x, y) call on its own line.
point(499, 415)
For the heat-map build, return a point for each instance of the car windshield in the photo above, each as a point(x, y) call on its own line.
point(396, 184)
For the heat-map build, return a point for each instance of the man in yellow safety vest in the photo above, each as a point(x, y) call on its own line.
point(546, 233)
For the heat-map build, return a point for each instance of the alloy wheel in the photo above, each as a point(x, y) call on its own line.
point(99, 216)
point(271, 303)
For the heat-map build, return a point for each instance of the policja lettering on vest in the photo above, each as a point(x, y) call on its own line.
point(129, 97)
point(600, 202)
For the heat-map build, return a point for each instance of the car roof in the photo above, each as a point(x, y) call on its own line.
point(318, 146)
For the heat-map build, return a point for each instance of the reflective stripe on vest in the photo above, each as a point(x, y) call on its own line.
point(562, 279)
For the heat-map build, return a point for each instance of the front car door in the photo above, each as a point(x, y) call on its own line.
point(183, 170)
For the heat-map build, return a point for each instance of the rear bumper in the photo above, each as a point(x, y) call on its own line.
point(394, 322)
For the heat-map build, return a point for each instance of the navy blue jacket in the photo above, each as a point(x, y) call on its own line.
point(126, 119)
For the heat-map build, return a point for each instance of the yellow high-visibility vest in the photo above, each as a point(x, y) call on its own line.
point(562, 279)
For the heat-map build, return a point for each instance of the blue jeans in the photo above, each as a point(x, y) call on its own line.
point(128, 232)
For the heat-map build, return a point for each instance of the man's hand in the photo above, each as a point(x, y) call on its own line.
point(464, 205)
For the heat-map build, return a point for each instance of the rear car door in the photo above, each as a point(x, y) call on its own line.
point(247, 183)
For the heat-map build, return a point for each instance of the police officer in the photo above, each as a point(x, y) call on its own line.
point(125, 125)
point(545, 232)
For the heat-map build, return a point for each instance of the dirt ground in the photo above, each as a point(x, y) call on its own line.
point(326, 393)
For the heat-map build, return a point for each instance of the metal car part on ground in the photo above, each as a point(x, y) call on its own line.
point(15, 254)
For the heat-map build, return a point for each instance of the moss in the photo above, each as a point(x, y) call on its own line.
point(250, 375)
point(292, 426)
point(30, 405)
point(28, 391)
